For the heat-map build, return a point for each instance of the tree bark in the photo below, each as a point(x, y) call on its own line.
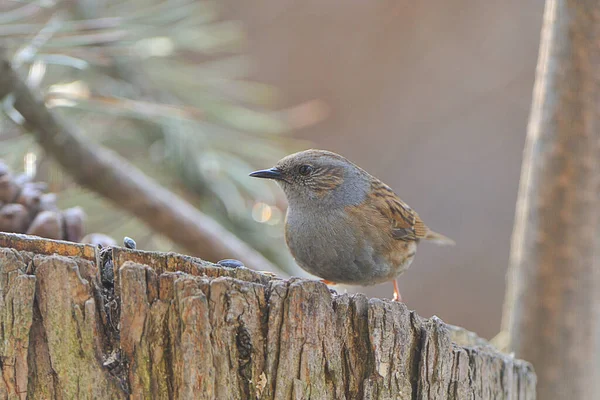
point(173, 326)
point(552, 305)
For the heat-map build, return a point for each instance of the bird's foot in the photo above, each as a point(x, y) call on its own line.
point(325, 281)
point(397, 295)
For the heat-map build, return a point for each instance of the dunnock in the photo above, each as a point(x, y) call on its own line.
point(343, 224)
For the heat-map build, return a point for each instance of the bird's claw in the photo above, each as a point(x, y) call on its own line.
point(397, 295)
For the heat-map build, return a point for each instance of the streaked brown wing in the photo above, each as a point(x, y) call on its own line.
point(405, 223)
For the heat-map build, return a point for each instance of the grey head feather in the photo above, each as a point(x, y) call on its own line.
point(352, 190)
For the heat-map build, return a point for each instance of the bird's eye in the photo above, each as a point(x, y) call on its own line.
point(305, 169)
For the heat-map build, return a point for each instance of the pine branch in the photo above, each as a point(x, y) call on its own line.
point(109, 175)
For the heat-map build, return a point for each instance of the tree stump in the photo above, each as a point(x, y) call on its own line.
point(80, 322)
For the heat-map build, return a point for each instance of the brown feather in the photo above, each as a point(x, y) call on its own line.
point(405, 223)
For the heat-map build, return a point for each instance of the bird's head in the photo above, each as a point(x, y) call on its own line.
point(318, 177)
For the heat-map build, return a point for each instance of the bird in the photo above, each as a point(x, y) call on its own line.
point(344, 225)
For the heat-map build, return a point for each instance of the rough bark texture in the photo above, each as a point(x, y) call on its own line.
point(178, 327)
point(553, 292)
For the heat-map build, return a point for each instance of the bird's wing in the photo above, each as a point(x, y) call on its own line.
point(405, 222)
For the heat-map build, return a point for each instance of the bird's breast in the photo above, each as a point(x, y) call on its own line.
point(314, 238)
point(341, 247)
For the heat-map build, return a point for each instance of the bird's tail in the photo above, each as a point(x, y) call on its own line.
point(438, 238)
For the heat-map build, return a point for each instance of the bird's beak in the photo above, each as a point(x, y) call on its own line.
point(271, 173)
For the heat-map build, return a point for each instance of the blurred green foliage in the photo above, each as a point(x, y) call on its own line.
point(163, 83)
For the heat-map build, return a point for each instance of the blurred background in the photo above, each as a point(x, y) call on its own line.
point(431, 97)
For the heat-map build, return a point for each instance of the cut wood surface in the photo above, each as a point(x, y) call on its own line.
point(80, 322)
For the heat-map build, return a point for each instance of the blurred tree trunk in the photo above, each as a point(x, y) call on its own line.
point(552, 307)
point(218, 333)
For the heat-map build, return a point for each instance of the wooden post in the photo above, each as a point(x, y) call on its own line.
point(209, 332)
point(552, 307)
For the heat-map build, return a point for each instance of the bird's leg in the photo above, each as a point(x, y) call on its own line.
point(325, 281)
point(397, 295)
